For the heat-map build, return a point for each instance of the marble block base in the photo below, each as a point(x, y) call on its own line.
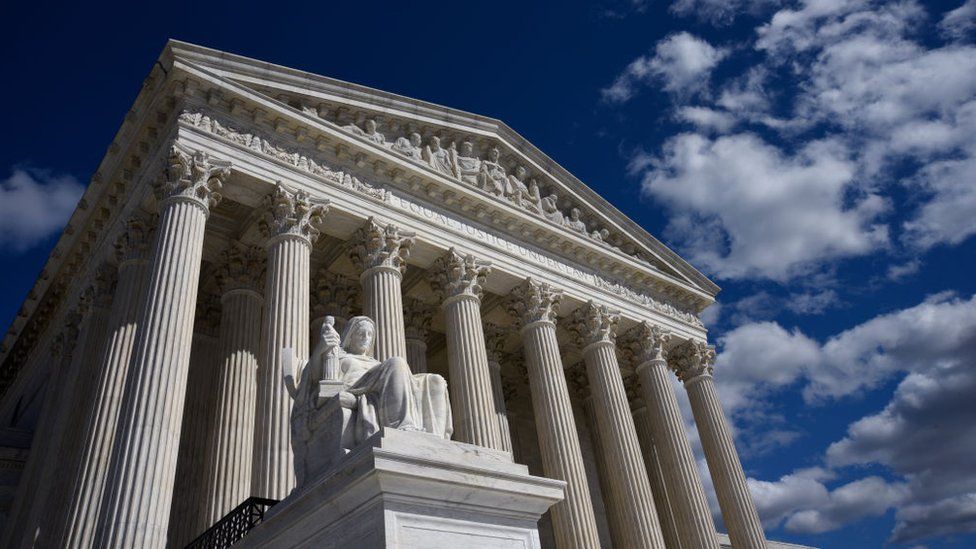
point(413, 490)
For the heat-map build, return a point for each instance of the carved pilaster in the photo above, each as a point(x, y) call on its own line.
point(534, 301)
point(377, 246)
point(495, 342)
point(292, 214)
point(417, 317)
point(193, 175)
point(456, 275)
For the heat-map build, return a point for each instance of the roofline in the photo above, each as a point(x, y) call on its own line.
point(380, 98)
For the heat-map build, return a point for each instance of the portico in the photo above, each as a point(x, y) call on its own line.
point(280, 197)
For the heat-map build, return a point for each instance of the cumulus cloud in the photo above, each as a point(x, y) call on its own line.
point(959, 22)
point(743, 208)
point(720, 12)
point(681, 62)
point(923, 436)
point(35, 204)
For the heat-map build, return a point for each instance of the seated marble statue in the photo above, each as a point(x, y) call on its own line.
point(371, 395)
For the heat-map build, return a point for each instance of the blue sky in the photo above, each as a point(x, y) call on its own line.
point(816, 159)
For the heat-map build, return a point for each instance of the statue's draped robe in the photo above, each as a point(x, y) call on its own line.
point(389, 395)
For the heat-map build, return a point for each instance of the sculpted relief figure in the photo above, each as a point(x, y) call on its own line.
point(345, 396)
point(368, 131)
point(409, 147)
point(574, 222)
point(438, 157)
point(466, 164)
point(492, 176)
point(550, 209)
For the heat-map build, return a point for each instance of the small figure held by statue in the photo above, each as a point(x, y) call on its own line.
point(345, 396)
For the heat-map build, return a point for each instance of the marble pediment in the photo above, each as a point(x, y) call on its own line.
point(377, 141)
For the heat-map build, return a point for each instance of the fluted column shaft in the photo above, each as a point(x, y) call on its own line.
point(187, 519)
point(417, 355)
point(738, 508)
point(291, 225)
point(111, 373)
point(92, 341)
point(656, 475)
point(383, 302)
point(140, 487)
point(35, 481)
point(498, 396)
point(475, 420)
point(232, 443)
point(684, 486)
point(285, 326)
point(574, 524)
point(630, 487)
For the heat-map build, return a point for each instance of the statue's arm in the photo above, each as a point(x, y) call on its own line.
point(288, 368)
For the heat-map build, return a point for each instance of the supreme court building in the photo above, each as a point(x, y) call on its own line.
point(239, 205)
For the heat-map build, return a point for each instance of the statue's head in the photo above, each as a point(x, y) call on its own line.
point(467, 148)
point(370, 126)
point(357, 338)
point(415, 139)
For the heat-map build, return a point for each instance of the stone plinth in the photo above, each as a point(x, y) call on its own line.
point(413, 490)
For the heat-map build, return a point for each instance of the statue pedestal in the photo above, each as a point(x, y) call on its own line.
point(413, 490)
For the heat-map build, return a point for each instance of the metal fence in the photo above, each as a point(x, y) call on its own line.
point(235, 525)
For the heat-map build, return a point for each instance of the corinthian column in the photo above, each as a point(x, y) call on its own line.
point(693, 364)
point(494, 341)
point(416, 318)
point(140, 487)
point(684, 488)
point(457, 280)
point(655, 473)
point(110, 374)
point(231, 447)
point(26, 520)
point(536, 306)
point(187, 519)
point(332, 295)
point(595, 327)
point(291, 226)
point(381, 254)
point(97, 301)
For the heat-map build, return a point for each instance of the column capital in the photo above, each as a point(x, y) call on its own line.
point(692, 360)
point(417, 317)
point(292, 213)
point(377, 246)
point(456, 275)
point(206, 317)
point(193, 175)
point(334, 294)
point(578, 382)
point(102, 289)
point(242, 268)
point(134, 242)
point(646, 342)
point(534, 301)
point(594, 324)
point(495, 343)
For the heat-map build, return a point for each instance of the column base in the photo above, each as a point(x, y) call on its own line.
point(413, 490)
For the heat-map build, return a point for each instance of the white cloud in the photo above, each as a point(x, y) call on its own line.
point(681, 62)
point(812, 303)
point(34, 205)
point(959, 22)
point(707, 119)
point(720, 12)
point(923, 436)
point(743, 208)
point(904, 270)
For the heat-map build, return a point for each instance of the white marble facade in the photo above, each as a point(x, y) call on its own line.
point(246, 213)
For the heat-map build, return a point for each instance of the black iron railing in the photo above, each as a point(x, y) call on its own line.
point(235, 525)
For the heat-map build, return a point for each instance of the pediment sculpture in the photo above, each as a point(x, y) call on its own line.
point(488, 174)
point(344, 396)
